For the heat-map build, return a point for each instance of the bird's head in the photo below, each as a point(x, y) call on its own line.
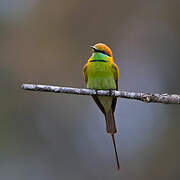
point(102, 48)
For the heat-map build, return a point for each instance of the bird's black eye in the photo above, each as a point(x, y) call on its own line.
point(100, 51)
point(104, 52)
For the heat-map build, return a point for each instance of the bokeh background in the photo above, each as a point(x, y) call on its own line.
point(46, 136)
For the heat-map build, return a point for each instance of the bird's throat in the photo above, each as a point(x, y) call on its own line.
point(99, 57)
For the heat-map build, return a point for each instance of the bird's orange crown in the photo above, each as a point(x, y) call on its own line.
point(103, 47)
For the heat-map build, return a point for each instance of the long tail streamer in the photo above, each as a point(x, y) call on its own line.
point(117, 159)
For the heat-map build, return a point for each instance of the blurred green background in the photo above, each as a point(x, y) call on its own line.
point(46, 136)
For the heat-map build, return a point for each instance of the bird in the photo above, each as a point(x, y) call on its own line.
point(101, 73)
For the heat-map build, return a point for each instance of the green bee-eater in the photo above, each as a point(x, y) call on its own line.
point(102, 73)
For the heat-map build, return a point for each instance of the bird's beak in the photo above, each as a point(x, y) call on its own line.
point(93, 48)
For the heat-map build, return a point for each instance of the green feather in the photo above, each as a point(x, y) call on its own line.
point(100, 74)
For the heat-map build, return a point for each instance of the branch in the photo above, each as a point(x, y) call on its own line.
point(145, 97)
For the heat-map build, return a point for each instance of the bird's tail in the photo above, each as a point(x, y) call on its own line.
point(111, 128)
point(117, 159)
point(110, 122)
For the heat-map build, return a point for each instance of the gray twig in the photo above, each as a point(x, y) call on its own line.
point(145, 97)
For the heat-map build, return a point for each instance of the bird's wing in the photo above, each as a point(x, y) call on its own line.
point(94, 96)
point(97, 101)
point(115, 70)
point(85, 73)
